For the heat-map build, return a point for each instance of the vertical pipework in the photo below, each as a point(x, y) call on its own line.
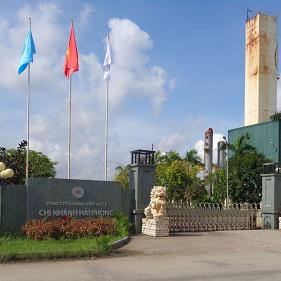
point(221, 154)
point(208, 155)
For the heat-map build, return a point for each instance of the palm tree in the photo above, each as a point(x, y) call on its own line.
point(275, 116)
point(192, 157)
point(122, 175)
point(241, 145)
point(173, 155)
point(166, 157)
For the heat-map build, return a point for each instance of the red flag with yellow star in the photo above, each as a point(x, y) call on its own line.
point(71, 57)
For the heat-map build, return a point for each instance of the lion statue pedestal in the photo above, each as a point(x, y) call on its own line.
point(156, 223)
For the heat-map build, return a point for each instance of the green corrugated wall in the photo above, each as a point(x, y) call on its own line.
point(261, 136)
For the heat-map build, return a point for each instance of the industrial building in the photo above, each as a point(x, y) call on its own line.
point(265, 137)
point(261, 68)
point(261, 76)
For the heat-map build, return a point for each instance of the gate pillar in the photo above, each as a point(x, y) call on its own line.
point(271, 196)
point(141, 181)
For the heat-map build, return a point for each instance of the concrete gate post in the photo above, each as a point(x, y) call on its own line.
point(141, 181)
point(271, 196)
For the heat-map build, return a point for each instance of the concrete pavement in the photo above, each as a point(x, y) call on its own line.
point(228, 256)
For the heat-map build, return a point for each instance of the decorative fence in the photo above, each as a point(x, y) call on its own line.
point(211, 217)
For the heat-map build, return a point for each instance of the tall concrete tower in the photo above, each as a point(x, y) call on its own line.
point(261, 63)
point(208, 155)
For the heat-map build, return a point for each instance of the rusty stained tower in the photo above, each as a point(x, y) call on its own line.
point(261, 68)
point(208, 155)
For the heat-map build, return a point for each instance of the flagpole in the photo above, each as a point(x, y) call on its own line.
point(70, 65)
point(106, 131)
point(106, 111)
point(27, 131)
point(27, 128)
point(69, 130)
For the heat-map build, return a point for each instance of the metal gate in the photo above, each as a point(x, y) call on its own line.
point(211, 217)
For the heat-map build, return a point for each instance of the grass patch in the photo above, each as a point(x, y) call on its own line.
point(17, 247)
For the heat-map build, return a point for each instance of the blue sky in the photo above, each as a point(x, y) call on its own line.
point(178, 70)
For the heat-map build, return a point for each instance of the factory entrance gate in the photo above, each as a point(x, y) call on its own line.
point(184, 217)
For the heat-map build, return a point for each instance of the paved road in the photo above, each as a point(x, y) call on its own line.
point(213, 256)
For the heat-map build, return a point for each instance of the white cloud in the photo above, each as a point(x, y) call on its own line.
point(131, 77)
point(217, 137)
point(182, 135)
point(199, 146)
point(48, 39)
point(129, 70)
point(172, 142)
point(85, 14)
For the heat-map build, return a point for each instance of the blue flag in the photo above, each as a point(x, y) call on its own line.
point(27, 54)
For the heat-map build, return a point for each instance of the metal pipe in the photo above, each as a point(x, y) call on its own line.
point(106, 132)
point(69, 131)
point(227, 186)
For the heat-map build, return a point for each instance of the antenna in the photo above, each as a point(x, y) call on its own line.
point(248, 11)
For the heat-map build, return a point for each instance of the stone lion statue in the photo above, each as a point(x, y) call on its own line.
point(157, 206)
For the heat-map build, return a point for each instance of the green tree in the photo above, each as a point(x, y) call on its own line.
point(166, 157)
point(175, 176)
point(245, 168)
point(276, 116)
point(192, 157)
point(218, 181)
point(122, 175)
point(196, 191)
point(241, 145)
point(39, 164)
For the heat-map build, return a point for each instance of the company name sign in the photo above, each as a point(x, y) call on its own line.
point(84, 209)
point(74, 213)
point(75, 198)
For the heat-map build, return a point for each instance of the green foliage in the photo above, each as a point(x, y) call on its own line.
point(242, 145)
point(22, 248)
point(245, 168)
point(192, 157)
point(166, 157)
point(175, 176)
point(68, 228)
point(122, 176)
point(276, 116)
point(218, 182)
point(39, 164)
point(180, 176)
point(123, 224)
point(15, 247)
point(196, 191)
point(245, 183)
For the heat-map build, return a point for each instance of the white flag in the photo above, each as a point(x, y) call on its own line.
point(107, 62)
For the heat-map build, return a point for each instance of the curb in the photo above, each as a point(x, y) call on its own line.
point(119, 243)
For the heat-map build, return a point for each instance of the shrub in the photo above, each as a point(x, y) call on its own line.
point(69, 228)
point(123, 224)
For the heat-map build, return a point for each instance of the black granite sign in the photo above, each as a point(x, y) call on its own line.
point(76, 198)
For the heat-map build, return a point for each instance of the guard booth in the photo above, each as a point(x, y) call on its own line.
point(271, 195)
point(141, 181)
